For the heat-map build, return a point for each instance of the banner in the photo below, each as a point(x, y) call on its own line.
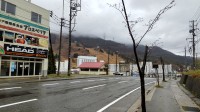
point(25, 51)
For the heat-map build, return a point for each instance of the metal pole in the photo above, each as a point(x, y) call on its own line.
point(185, 60)
point(116, 60)
point(70, 34)
point(108, 62)
point(193, 45)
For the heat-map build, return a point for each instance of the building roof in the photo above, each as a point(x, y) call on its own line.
point(92, 65)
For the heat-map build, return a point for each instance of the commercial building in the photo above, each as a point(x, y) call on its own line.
point(97, 68)
point(82, 59)
point(24, 33)
point(63, 66)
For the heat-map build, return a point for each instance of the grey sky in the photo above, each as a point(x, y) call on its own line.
point(96, 18)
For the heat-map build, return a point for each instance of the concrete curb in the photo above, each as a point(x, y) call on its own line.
point(188, 93)
point(57, 79)
point(137, 105)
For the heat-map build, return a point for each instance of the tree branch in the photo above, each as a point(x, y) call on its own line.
point(153, 22)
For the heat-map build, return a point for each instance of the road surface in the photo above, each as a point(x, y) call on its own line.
point(107, 94)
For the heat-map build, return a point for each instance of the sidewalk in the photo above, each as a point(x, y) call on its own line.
point(168, 98)
point(163, 100)
point(43, 79)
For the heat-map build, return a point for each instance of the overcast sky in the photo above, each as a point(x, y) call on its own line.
point(98, 19)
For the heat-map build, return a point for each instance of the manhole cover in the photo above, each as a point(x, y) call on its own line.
point(191, 109)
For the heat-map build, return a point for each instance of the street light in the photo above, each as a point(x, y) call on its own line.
point(116, 60)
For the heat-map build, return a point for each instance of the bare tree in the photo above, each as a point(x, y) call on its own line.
point(130, 25)
point(163, 68)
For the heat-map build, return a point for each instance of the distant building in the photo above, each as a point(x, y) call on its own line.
point(167, 69)
point(82, 59)
point(24, 36)
point(92, 68)
point(63, 66)
point(112, 68)
point(148, 67)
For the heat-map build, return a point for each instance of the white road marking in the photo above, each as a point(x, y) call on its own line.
point(11, 104)
point(93, 87)
point(102, 79)
point(105, 107)
point(122, 81)
point(91, 80)
point(50, 84)
point(75, 82)
point(10, 88)
point(116, 78)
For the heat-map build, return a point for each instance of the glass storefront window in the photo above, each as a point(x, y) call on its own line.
point(20, 68)
point(5, 68)
point(26, 68)
point(38, 68)
point(31, 71)
point(13, 68)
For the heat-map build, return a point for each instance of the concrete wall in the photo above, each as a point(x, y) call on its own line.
point(63, 66)
point(192, 84)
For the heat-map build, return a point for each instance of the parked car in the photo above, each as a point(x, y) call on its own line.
point(178, 75)
point(118, 73)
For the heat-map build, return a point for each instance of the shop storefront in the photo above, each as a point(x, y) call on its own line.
point(20, 66)
point(24, 39)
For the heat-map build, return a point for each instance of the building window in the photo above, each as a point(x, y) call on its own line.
point(8, 7)
point(36, 17)
point(5, 68)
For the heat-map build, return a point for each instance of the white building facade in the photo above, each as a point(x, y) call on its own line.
point(24, 37)
point(167, 69)
point(63, 66)
point(82, 59)
point(149, 68)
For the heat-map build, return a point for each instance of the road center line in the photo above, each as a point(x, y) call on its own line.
point(105, 107)
point(102, 79)
point(75, 82)
point(93, 87)
point(11, 104)
point(122, 81)
point(50, 84)
point(10, 88)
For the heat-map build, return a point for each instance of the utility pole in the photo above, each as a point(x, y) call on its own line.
point(192, 30)
point(185, 60)
point(116, 60)
point(75, 6)
point(108, 62)
point(59, 56)
point(69, 41)
point(196, 59)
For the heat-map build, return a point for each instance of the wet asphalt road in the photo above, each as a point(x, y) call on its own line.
point(111, 94)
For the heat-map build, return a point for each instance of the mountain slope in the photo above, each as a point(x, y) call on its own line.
point(127, 50)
